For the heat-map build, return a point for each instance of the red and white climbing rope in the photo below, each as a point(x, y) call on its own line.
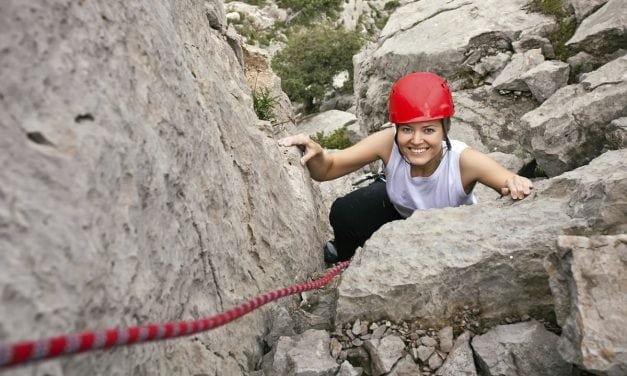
point(13, 354)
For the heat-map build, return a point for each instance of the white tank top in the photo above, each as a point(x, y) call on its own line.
point(442, 189)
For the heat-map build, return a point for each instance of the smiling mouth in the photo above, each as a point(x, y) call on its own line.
point(417, 150)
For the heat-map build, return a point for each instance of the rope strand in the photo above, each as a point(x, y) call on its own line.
point(13, 354)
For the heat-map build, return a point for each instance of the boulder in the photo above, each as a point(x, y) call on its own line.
point(546, 78)
point(571, 127)
point(488, 257)
point(459, 361)
point(346, 369)
point(425, 36)
point(405, 367)
point(531, 42)
point(511, 77)
point(588, 277)
point(135, 187)
point(495, 119)
point(384, 353)
point(304, 355)
point(524, 349)
point(604, 31)
point(583, 8)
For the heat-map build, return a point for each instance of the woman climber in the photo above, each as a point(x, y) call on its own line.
point(423, 168)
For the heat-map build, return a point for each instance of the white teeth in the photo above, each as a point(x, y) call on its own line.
point(418, 150)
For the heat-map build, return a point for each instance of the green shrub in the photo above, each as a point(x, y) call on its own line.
point(391, 5)
point(308, 10)
point(310, 60)
point(566, 25)
point(264, 103)
point(336, 140)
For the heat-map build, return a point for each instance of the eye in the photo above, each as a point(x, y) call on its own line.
point(407, 130)
point(429, 130)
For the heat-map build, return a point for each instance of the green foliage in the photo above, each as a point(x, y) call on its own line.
point(264, 103)
point(391, 5)
point(306, 11)
point(566, 25)
point(259, 3)
point(336, 140)
point(310, 60)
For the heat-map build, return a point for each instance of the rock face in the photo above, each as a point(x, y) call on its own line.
point(604, 31)
point(408, 43)
point(525, 349)
point(135, 187)
point(572, 127)
point(589, 283)
point(477, 256)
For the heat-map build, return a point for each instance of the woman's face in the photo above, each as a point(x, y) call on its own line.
point(421, 142)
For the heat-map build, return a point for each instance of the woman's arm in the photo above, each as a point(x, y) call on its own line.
point(478, 167)
point(330, 166)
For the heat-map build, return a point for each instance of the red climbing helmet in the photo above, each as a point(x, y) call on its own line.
point(420, 96)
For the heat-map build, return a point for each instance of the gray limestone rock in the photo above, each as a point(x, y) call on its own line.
point(460, 361)
point(446, 338)
point(384, 353)
point(494, 118)
point(530, 42)
point(604, 31)
point(261, 78)
point(405, 367)
point(346, 369)
point(583, 8)
point(467, 250)
point(525, 349)
point(546, 78)
point(569, 129)
point(412, 41)
point(616, 135)
point(511, 77)
point(588, 277)
point(135, 187)
point(303, 355)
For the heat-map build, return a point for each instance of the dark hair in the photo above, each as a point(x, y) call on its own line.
point(446, 125)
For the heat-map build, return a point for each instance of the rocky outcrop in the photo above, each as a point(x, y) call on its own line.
point(589, 283)
point(572, 127)
point(525, 349)
point(604, 31)
point(135, 187)
point(494, 264)
point(411, 41)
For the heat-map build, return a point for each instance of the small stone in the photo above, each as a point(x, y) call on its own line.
point(365, 336)
point(350, 334)
point(387, 323)
point(357, 327)
point(428, 341)
point(336, 348)
point(357, 342)
point(379, 332)
point(424, 352)
point(374, 326)
point(446, 339)
point(435, 361)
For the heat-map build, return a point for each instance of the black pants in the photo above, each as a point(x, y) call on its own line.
point(356, 216)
